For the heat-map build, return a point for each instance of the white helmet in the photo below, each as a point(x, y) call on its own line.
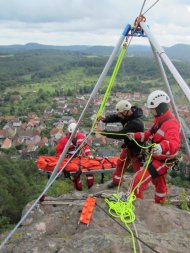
point(123, 105)
point(71, 127)
point(156, 98)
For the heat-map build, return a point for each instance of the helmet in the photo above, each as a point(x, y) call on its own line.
point(71, 127)
point(156, 98)
point(123, 105)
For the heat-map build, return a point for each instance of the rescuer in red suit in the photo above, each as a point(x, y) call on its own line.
point(165, 133)
point(85, 151)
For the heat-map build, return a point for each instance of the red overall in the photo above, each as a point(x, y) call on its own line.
point(168, 136)
point(122, 164)
point(76, 142)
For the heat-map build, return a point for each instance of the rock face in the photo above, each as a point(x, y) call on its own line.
point(52, 228)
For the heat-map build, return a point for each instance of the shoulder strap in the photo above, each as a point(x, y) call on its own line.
point(155, 128)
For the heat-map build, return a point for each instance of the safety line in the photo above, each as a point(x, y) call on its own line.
point(150, 7)
point(110, 85)
point(124, 208)
point(121, 225)
point(119, 134)
point(83, 199)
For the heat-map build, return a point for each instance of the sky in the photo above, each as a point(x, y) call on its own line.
point(91, 22)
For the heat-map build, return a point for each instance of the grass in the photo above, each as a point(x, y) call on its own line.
point(71, 78)
point(33, 87)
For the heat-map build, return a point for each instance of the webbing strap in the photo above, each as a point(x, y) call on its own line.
point(87, 210)
point(155, 128)
point(110, 85)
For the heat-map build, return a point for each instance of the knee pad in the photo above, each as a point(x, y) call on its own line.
point(153, 172)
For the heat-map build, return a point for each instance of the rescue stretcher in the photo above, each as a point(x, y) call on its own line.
point(83, 164)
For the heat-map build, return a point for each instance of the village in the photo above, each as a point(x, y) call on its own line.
point(27, 136)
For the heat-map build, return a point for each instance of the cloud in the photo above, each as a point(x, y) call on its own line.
point(64, 22)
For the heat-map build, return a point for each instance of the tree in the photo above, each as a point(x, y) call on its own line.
point(43, 150)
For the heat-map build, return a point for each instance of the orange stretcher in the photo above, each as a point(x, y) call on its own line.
point(84, 164)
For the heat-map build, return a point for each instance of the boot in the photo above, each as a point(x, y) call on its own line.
point(111, 185)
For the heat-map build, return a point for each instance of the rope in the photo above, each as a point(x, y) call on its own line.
point(120, 134)
point(150, 7)
point(142, 8)
point(123, 208)
point(122, 172)
point(101, 208)
point(110, 85)
point(126, 229)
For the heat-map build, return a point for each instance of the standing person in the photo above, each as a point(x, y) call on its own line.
point(165, 133)
point(85, 151)
point(130, 118)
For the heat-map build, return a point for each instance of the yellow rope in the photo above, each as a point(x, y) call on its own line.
point(123, 208)
point(119, 134)
point(110, 85)
point(121, 177)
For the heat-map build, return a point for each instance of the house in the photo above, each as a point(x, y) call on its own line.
point(18, 141)
point(128, 95)
point(11, 132)
point(33, 123)
point(60, 99)
point(7, 143)
point(3, 135)
point(25, 134)
point(44, 142)
point(74, 110)
point(137, 96)
point(59, 124)
point(31, 148)
point(59, 134)
point(60, 111)
point(56, 134)
point(10, 118)
point(36, 140)
point(118, 94)
point(183, 110)
point(23, 126)
point(32, 115)
point(17, 123)
point(49, 110)
point(67, 119)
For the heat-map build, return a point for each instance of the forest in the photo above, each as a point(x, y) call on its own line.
point(41, 66)
point(40, 75)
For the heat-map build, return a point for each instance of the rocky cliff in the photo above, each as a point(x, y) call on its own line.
point(53, 227)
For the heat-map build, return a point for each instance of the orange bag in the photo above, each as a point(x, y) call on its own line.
point(87, 210)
